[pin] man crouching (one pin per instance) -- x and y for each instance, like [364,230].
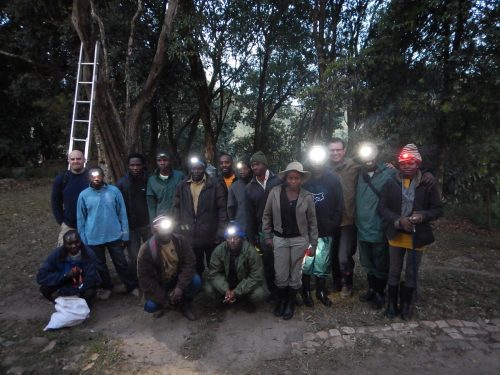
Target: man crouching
[236,271]
[166,268]
[70,270]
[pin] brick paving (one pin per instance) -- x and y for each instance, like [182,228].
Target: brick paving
[452,334]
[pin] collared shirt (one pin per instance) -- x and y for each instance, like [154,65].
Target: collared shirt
[196,188]
[102,216]
[264,183]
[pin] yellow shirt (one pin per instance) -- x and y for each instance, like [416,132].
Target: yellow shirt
[403,240]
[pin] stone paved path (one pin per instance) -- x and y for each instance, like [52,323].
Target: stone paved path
[436,335]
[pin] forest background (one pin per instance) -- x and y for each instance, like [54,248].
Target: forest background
[273,75]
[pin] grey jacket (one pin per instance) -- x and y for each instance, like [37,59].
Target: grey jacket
[305,213]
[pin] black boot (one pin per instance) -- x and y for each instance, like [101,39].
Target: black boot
[406,298]
[306,291]
[290,304]
[282,294]
[370,293]
[392,305]
[321,293]
[378,300]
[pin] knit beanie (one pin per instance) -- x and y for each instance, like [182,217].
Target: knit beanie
[410,151]
[259,157]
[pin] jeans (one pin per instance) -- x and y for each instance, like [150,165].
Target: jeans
[117,253]
[343,250]
[137,237]
[397,256]
[190,292]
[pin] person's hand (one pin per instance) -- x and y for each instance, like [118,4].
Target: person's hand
[428,179]
[175,296]
[269,242]
[311,251]
[406,224]
[73,273]
[416,218]
[124,244]
[229,297]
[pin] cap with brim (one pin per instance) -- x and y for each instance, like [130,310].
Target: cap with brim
[296,167]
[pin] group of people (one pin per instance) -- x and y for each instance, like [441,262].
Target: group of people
[259,234]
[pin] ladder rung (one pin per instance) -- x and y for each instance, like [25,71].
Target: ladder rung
[91,63]
[85,82]
[82,120]
[79,140]
[83,101]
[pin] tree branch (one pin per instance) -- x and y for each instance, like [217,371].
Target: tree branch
[129,53]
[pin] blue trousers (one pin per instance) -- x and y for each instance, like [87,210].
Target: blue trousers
[190,292]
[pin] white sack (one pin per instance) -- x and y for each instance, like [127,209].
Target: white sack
[70,311]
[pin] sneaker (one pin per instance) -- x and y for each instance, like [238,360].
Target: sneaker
[346,291]
[104,294]
[136,292]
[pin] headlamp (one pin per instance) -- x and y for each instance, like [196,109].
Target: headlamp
[239,165]
[367,151]
[317,155]
[231,231]
[95,173]
[163,224]
[405,156]
[194,160]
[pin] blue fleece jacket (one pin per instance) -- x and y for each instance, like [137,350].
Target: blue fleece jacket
[102,216]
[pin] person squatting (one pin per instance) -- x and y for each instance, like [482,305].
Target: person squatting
[245,236]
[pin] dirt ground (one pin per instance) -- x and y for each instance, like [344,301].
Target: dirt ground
[459,286]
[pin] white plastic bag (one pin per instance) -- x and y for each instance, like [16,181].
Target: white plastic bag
[70,311]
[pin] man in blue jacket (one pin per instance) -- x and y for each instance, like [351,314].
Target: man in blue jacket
[70,270]
[103,224]
[66,188]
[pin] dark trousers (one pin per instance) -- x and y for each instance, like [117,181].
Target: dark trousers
[267,262]
[137,237]
[203,253]
[190,292]
[117,254]
[397,259]
[52,292]
[374,258]
[343,250]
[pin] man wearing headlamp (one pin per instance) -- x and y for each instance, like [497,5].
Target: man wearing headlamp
[166,268]
[236,271]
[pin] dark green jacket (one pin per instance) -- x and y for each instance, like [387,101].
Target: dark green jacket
[249,268]
[370,225]
[160,193]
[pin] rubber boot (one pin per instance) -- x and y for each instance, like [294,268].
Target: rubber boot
[406,298]
[370,293]
[392,305]
[378,300]
[282,294]
[346,291]
[321,293]
[306,291]
[290,304]
[187,309]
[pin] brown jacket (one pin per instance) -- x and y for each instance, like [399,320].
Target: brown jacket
[348,171]
[150,269]
[305,213]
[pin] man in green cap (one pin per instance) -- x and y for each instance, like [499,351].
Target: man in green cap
[257,191]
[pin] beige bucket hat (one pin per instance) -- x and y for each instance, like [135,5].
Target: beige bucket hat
[297,167]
